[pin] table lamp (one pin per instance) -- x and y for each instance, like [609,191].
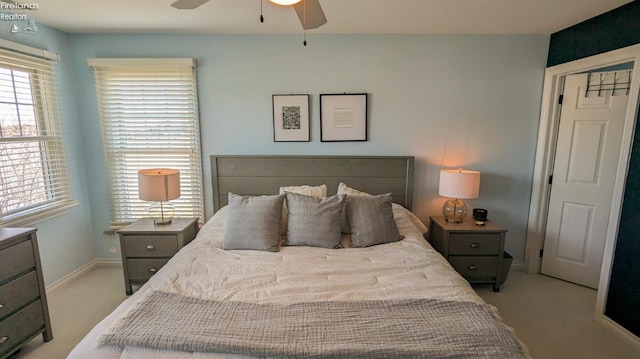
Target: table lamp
[457,185]
[159,185]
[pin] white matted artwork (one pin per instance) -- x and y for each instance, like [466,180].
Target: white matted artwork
[343,117]
[291,118]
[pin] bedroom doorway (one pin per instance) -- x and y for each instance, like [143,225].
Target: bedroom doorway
[589,136]
[544,161]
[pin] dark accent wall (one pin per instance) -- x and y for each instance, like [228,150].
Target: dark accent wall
[623,299]
[615,29]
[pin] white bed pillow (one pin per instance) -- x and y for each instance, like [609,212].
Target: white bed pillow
[344,189]
[371,220]
[253,222]
[313,221]
[315,191]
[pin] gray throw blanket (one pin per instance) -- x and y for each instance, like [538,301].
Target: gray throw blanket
[413,328]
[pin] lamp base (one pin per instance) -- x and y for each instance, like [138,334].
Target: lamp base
[162,213]
[454,210]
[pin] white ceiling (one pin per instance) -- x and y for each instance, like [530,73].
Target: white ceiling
[344,16]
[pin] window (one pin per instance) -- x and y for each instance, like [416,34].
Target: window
[149,116]
[33,174]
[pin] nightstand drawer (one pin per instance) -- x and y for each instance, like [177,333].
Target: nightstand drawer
[150,246]
[16,259]
[474,243]
[18,292]
[143,269]
[20,326]
[475,267]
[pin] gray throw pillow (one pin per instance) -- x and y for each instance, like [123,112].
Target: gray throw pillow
[371,220]
[344,189]
[253,222]
[313,221]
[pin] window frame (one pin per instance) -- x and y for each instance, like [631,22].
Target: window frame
[43,84]
[125,206]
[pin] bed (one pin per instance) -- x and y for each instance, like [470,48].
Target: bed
[315,294]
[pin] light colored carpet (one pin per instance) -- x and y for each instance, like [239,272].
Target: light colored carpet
[554,318]
[75,310]
[551,316]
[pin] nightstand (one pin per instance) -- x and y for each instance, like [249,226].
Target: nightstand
[476,252]
[146,247]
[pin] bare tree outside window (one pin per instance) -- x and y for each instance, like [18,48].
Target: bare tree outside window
[22,178]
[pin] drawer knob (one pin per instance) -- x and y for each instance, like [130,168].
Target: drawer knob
[152,270]
[4,339]
[151,248]
[473,267]
[475,245]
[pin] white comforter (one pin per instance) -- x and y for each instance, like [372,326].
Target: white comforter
[410,268]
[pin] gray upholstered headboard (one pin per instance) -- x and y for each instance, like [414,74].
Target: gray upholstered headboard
[260,175]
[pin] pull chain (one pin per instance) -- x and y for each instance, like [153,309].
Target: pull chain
[261,17]
[304,22]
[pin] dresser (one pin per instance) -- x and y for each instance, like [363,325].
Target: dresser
[476,252]
[146,247]
[24,313]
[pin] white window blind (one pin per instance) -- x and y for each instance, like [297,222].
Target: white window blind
[149,116]
[34,184]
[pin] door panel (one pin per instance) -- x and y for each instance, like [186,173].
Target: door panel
[575,224]
[584,170]
[586,151]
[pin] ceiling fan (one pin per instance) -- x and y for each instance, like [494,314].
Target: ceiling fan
[309,11]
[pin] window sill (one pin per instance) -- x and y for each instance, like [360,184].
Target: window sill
[30,219]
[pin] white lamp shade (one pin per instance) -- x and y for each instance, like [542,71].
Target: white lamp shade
[459,184]
[158,184]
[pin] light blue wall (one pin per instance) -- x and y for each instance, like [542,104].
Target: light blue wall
[66,242]
[451,101]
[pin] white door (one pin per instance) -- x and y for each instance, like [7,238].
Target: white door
[584,172]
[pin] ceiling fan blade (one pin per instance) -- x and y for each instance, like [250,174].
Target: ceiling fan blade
[188,4]
[314,17]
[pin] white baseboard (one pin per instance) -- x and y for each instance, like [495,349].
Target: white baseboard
[517,266]
[65,281]
[621,333]
[108,262]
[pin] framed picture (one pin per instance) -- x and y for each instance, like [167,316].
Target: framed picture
[291,118]
[343,117]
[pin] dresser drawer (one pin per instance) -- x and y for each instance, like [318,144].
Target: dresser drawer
[143,269]
[474,244]
[16,259]
[18,292]
[21,326]
[150,246]
[475,267]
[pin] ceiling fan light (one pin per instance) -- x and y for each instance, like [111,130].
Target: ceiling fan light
[285,2]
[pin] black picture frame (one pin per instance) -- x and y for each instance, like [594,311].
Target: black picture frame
[291,120]
[344,117]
